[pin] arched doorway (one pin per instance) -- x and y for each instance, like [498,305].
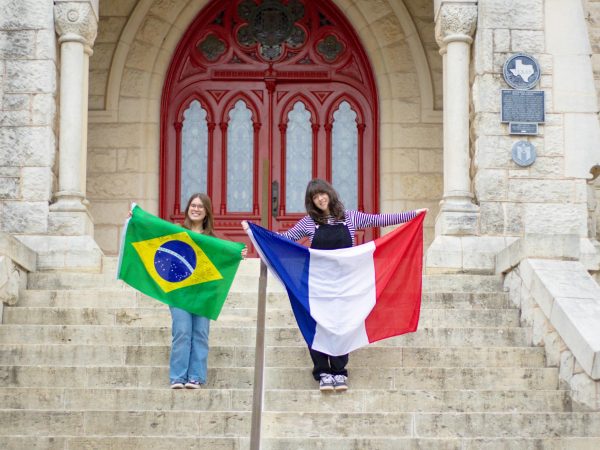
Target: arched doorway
[260,97]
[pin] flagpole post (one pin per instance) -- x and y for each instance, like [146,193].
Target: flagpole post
[259,360]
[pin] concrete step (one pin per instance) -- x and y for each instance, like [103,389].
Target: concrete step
[431,425]
[198,424]
[279,336]
[442,401]
[423,378]
[243,356]
[292,400]
[154,317]
[115,377]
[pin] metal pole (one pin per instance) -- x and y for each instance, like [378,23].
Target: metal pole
[259,360]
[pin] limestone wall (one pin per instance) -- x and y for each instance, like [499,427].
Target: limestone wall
[551,195]
[135,43]
[28,89]
[592,9]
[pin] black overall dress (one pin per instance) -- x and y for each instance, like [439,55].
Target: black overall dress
[330,237]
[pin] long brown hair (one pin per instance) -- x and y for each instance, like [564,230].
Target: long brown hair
[208,224]
[336,207]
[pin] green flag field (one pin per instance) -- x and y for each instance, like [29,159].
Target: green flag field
[181,268]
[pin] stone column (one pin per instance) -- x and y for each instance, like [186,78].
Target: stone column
[76,23]
[69,243]
[455,23]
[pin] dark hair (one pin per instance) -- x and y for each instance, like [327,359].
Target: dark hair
[208,222]
[336,207]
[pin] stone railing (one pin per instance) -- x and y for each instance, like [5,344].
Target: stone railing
[560,300]
[16,260]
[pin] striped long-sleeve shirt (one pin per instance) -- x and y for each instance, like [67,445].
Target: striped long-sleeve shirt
[354,220]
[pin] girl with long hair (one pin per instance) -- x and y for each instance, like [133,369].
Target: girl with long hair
[328,225]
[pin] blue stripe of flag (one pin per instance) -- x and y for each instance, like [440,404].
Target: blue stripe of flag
[290,261]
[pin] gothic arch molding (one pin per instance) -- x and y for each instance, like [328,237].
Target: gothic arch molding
[188,12]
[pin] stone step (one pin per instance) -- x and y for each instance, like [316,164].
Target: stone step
[423,378]
[440,283]
[111,377]
[373,356]
[134,317]
[243,356]
[429,318]
[123,443]
[129,298]
[280,336]
[199,424]
[160,317]
[406,378]
[114,355]
[74,280]
[302,443]
[441,401]
[430,425]
[115,298]
[248,266]
[77,399]
[249,281]
[395,443]
[292,400]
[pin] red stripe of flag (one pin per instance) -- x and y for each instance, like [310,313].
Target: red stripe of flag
[398,260]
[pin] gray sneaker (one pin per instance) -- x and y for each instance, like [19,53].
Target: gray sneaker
[339,382]
[326,383]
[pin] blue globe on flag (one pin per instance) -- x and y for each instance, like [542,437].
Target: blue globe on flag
[175,261]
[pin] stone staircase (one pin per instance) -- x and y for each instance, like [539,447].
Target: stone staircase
[83,365]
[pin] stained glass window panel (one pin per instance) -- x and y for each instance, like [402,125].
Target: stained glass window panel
[240,157]
[298,158]
[345,155]
[194,152]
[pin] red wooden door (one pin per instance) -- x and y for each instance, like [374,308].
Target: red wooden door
[259,98]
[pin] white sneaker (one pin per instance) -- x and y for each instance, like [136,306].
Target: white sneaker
[339,382]
[192,385]
[176,385]
[326,383]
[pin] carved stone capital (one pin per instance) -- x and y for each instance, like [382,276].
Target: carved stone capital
[76,21]
[455,22]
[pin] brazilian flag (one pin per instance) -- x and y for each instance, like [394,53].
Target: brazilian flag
[177,266]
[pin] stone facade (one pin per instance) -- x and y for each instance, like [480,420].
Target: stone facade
[28,95]
[533,231]
[135,42]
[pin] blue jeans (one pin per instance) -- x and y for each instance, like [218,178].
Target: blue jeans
[189,349]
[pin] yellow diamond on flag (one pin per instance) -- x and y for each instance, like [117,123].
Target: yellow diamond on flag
[175,261]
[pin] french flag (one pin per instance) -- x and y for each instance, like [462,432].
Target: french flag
[347,298]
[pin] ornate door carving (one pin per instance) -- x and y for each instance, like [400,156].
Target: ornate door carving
[260,97]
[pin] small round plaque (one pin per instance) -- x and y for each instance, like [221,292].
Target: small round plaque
[523,153]
[521,71]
